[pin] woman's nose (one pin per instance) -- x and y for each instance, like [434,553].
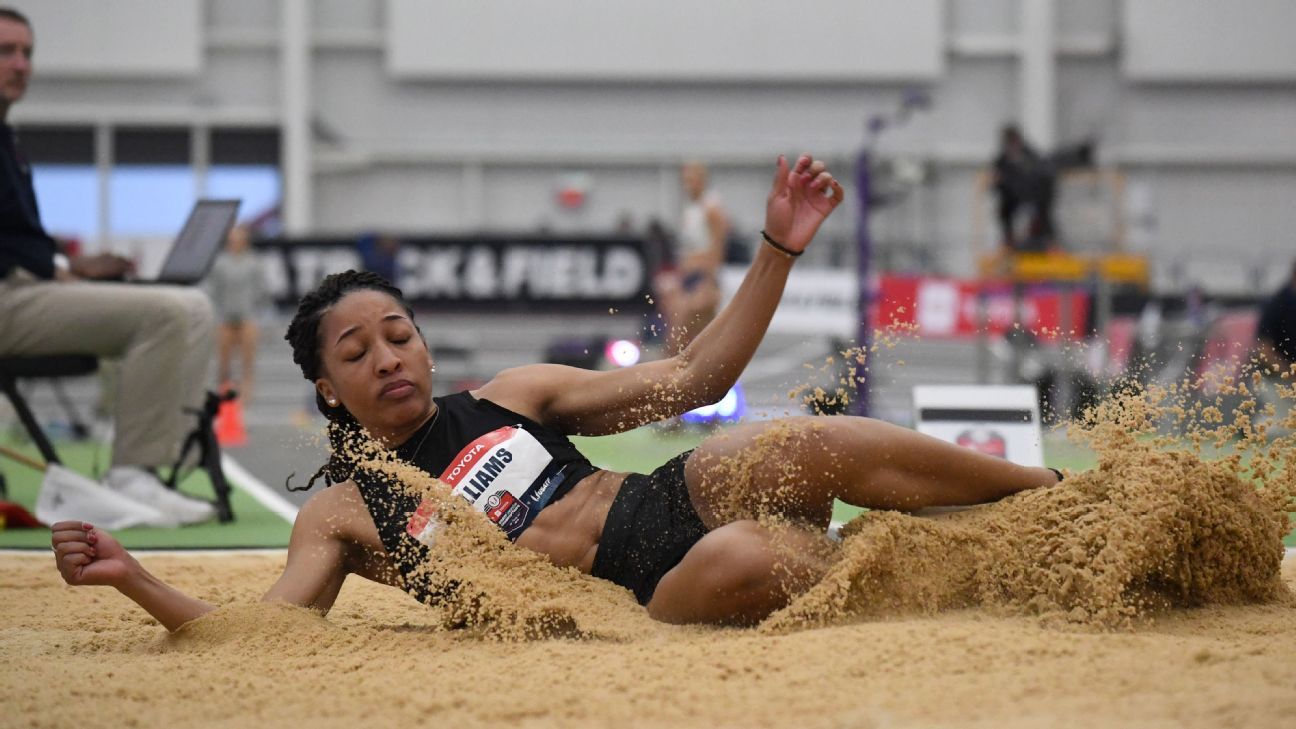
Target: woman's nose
[387,361]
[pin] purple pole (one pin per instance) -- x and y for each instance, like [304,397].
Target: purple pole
[864,252]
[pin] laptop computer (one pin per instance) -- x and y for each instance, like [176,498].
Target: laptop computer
[201,238]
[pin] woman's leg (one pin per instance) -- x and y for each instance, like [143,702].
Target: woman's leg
[794,468]
[791,470]
[740,573]
[247,357]
[226,338]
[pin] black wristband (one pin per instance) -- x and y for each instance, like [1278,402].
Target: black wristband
[780,247]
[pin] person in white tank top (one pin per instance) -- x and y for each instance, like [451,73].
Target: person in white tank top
[690,295]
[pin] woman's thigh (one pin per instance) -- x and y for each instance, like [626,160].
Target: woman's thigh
[248,340]
[789,468]
[227,336]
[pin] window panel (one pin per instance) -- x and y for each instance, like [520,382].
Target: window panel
[68,198]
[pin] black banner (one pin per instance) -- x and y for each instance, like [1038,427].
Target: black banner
[481,273]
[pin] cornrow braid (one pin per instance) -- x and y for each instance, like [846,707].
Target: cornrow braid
[344,431]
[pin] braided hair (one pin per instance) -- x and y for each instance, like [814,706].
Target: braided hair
[344,430]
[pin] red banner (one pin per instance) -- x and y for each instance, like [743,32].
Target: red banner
[947,307]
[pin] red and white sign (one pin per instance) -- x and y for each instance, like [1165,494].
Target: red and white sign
[947,307]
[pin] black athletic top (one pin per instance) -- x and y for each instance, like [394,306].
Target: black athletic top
[504,464]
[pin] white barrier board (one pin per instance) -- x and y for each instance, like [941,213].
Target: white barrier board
[816,301]
[1002,420]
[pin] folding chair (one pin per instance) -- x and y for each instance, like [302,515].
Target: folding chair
[13,369]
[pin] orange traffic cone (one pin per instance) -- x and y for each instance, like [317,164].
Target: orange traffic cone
[230,432]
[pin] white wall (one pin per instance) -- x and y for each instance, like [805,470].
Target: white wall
[1211,160]
[119,37]
[682,40]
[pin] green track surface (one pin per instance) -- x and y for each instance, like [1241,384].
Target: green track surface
[253,525]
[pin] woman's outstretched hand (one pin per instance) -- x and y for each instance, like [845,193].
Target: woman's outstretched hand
[800,199]
[88,556]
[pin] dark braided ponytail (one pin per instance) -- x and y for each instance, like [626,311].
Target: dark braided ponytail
[344,430]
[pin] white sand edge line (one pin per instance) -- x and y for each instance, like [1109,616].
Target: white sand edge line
[257,489]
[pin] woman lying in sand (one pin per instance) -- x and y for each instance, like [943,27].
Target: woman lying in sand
[684,539]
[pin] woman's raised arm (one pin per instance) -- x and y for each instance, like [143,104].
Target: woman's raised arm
[598,403]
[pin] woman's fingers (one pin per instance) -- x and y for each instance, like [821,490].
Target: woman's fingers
[70,526]
[71,556]
[74,548]
[74,561]
[780,176]
[67,535]
[837,194]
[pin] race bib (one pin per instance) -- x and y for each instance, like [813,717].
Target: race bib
[504,474]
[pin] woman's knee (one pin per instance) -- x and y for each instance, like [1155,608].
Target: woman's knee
[731,576]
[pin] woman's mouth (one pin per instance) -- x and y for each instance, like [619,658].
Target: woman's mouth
[396,389]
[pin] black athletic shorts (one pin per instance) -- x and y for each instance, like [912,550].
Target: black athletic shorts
[650,527]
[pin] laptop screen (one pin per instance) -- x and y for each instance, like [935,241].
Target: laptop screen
[201,238]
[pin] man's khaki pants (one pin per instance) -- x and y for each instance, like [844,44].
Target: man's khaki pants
[164,336]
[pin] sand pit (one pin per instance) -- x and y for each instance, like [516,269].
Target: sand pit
[381,659]
[1151,590]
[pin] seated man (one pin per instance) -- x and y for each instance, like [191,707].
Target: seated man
[163,335]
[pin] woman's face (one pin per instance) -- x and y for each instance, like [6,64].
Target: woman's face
[375,364]
[239,239]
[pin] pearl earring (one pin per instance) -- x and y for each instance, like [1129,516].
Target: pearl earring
[432,368]
[332,403]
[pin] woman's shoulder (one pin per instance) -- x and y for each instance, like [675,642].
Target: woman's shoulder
[339,510]
[338,514]
[522,390]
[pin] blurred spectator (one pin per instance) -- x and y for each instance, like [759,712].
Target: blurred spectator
[659,254]
[1024,179]
[237,289]
[163,334]
[378,254]
[690,295]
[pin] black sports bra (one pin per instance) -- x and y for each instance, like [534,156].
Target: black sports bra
[506,465]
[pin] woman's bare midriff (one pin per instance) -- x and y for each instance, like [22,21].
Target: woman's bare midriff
[568,531]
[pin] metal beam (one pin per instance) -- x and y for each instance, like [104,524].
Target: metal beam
[294,123]
[1038,72]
